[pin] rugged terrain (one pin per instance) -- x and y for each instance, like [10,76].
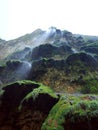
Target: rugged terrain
[56,58]
[67,63]
[27,105]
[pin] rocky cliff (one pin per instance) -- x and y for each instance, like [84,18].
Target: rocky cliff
[57,58]
[67,63]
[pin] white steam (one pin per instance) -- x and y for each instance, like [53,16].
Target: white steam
[43,38]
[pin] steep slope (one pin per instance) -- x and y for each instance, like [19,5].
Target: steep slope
[73,113]
[20,43]
[67,75]
[38,37]
[67,63]
[60,59]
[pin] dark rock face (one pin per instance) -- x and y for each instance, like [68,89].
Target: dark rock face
[82,125]
[42,103]
[48,51]
[15,92]
[41,67]
[84,58]
[33,112]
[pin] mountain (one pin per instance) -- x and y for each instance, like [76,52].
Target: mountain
[49,81]
[57,58]
[36,38]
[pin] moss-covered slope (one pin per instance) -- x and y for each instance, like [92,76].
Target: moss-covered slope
[73,113]
[27,105]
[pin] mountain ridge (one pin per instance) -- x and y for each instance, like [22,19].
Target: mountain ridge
[31,40]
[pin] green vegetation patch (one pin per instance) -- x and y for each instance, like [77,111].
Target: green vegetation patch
[90,86]
[40,90]
[21,82]
[71,108]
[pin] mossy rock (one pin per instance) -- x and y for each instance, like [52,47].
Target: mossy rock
[35,101]
[13,93]
[71,112]
[90,86]
[27,93]
[82,59]
[42,98]
[41,90]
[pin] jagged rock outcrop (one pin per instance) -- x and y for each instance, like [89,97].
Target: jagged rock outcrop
[51,51]
[82,59]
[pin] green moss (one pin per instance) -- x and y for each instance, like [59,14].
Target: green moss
[21,82]
[90,86]
[56,116]
[35,93]
[70,108]
[24,82]
[40,90]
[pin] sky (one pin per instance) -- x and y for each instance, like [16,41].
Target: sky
[19,17]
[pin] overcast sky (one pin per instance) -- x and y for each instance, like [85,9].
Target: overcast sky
[18,17]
